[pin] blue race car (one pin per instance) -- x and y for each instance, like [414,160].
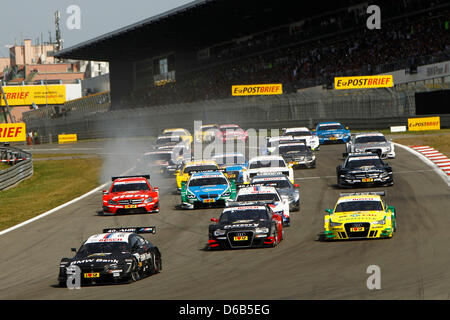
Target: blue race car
[207,189]
[332,132]
[233,164]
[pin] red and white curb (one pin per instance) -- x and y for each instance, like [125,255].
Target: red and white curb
[439,159]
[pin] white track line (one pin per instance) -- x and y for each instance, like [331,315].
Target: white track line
[59,207]
[430,163]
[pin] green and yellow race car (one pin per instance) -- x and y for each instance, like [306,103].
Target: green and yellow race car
[360,216]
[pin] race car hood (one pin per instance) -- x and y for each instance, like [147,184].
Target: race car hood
[262,171]
[233,167]
[295,154]
[245,225]
[365,170]
[129,195]
[218,190]
[331,132]
[100,260]
[357,216]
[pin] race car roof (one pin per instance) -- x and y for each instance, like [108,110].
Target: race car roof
[368,157]
[298,129]
[194,163]
[371,134]
[266,158]
[109,237]
[268,177]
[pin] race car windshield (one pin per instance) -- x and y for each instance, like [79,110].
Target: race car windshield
[213,181]
[130,187]
[267,164]
[331,127]
[103,247]
[203,129]
[167,140]
[229,160]
[370,139]
[200,168]
[349,206]
[242,216]
[299,133]
[364,163]
[258,197]
[297,148]
[278,184]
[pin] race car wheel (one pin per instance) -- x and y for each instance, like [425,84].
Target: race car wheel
[156,264]
[134,273]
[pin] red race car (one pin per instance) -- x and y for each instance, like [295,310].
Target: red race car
[131,194]
[231,132]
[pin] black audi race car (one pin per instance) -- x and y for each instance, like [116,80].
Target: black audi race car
[244,226]
[116,255]
[297,154]
[364,169]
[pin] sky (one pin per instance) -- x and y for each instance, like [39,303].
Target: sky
[30,19]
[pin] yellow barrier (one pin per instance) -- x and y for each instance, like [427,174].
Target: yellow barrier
[10,132]
[422,124]
[67,138]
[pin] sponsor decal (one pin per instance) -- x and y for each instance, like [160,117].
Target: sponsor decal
[421,124]
[67,138]
[12,132]
[383,81]
[257,89]
[40,95]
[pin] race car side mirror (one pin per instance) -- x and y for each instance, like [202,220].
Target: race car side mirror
[73,249]
[296,185]
[214,220]
[329,211]
[156,188]
[105,191]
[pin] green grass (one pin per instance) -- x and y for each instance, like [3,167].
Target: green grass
[438,142]
[52,184]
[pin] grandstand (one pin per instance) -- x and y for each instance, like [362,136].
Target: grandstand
[196,52]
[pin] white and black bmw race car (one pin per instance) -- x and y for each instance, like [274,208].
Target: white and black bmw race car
[265,194]
[374,142]
[116,255]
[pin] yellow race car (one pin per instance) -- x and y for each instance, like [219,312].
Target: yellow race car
[183,133]
[183,174]
[206,133]
[360,216]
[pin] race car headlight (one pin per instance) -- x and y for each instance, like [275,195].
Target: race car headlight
[218,233]
[379,222]
[191,196]
[262,230]
[359,150]
[149,199]
[335,224]
[226,193]
[384,175]
[112,202]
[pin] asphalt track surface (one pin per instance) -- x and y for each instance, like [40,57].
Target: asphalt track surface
[413,264]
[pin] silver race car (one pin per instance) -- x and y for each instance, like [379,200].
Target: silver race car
[374,142]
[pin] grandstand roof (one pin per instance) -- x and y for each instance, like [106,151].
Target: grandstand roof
[196,25]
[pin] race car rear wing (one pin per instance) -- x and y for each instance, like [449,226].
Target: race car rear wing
[138,230]
[146,176]
[372,193]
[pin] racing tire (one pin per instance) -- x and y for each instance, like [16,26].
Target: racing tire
[134,274]
[156,265]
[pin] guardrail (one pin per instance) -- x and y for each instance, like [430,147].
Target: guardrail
[21,166]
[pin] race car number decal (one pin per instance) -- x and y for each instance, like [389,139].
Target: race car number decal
[130,206]
[92,275]
[367,180]
[357,229]
[240,238]
[208,200]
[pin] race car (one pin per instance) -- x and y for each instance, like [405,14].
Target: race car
[370,142]
[332,132]
[274,142]
[364,169]
[297,154]
[206,133]
[207,189]
[360,216]
[131,194]
[164,162]
[183,174]
[183,133]
[283,186]
[169,142]
[252,225]
[234,165]
[303,133]
[231,132]
[269,165]
[268,195]
[116,255]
